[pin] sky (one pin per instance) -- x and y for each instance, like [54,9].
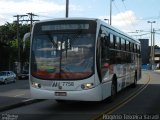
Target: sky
[130,16]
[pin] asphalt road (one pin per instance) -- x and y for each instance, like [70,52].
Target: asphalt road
[146,102]
[14,92]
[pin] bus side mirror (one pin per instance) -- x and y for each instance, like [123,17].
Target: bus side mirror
[25,37]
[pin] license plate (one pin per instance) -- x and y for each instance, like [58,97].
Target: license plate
[60,94]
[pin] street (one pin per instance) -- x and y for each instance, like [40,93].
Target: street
[14,92]
[142,100]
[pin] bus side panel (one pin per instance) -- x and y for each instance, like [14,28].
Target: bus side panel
[106,89]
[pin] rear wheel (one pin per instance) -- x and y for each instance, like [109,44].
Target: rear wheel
[14,80]
[135,81]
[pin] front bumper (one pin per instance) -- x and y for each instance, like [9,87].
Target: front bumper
[94,94]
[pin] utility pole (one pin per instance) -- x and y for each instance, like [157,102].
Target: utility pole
[67,8]
[31,15]
[151,54]
[153,47]
[110,12]
[19,60]
[19,42]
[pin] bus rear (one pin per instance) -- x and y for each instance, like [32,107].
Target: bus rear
[62,64]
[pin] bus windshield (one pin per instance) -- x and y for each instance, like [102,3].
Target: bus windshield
[62,54]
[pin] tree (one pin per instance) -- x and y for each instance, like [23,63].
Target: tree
[156,47]
[9,44]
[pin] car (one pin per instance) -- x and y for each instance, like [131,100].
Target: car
[7,76]
[23,75]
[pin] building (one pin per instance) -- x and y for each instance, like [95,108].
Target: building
[145,51]
[157,55]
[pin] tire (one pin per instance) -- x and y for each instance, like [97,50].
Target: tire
[5,82]
[113,91]
[14,80]
[135,81]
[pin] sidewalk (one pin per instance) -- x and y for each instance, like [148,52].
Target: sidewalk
[17,102]
[157,71]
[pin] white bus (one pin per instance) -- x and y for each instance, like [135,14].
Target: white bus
[81,59]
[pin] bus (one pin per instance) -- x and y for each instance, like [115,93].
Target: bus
[81,59]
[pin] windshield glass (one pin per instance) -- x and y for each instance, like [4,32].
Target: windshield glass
[62,55]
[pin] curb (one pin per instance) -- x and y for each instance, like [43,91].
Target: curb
[20,104]
[157,71]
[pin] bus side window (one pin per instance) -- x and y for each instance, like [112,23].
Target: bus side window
[127,45]
[118,43]
[132,47]
[111,41]
[135,48]
[114,42]
[123,44]
[104,44]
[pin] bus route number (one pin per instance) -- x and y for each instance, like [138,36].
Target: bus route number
[68,83]
[56,84]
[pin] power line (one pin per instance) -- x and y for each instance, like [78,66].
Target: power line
[31,15]
[129,16]
[123,19]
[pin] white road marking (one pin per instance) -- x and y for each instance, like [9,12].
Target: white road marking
[19,95]
[27,100]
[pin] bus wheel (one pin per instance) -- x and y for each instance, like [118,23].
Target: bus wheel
[113,91]
[135,81]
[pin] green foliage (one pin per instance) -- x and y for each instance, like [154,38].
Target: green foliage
[13,43]
[9,44]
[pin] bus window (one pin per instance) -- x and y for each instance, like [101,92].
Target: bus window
[123,44]
[111,41]
[132,47]
[118,43]
[114,42]
[128,58]
[139,49]
[127,45]
[118,58]
[135,48]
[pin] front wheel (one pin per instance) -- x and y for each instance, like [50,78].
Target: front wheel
[5,82]
[113,91]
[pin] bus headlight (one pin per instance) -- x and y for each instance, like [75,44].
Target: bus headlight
[36,85]
[86,86]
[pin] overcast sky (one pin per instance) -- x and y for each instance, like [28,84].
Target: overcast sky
[127,15]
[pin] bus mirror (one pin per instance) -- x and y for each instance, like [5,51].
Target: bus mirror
[25,37]
[106,65]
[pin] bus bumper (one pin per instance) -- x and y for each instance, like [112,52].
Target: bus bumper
[94,94]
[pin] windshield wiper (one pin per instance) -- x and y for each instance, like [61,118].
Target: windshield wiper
[53,43]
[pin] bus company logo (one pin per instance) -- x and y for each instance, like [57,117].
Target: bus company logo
[57,84]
